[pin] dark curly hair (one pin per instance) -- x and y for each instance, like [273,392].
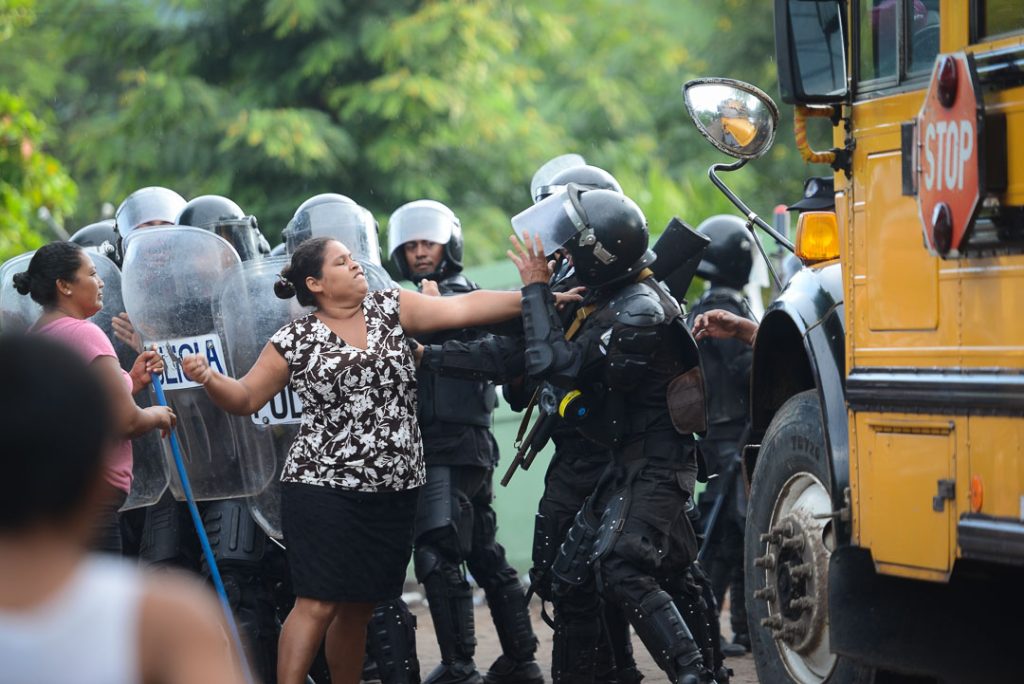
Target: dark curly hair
[52,262]
[307,261]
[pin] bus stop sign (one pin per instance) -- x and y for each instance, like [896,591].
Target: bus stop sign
[950,174]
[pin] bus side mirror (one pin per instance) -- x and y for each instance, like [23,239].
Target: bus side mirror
[734,116]
[810,49]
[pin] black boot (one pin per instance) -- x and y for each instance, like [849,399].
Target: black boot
[511,616]
[450,599]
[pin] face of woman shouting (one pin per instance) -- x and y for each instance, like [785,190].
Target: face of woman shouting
[341,280]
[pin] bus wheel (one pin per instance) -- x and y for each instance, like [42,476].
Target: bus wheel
[788,540]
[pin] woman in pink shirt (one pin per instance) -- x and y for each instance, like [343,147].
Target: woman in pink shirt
[63,280]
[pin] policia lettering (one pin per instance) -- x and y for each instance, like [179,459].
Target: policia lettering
[455,523]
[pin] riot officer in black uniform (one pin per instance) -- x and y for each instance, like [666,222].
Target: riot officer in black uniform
[628,360]
[591,642]
[726,268]
[456,523]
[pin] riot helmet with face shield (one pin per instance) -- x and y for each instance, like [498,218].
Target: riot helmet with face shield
[729,257]
[338,217]
[425,220]
[154,205]
[223,217]
[604,232]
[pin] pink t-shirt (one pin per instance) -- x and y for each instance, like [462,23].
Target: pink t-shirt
[86,338]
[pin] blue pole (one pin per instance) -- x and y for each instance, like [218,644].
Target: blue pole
[204,541]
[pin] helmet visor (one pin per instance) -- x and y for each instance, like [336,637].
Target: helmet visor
[412,223]
[148,205]
[351,225]
[539,185]
[554,219]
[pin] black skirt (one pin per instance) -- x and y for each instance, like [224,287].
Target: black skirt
[347,546]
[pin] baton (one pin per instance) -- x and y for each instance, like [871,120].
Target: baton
[728,484]
[204,541]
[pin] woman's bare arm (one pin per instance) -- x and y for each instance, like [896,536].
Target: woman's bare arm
[132,421]
[423,314]
[267,377]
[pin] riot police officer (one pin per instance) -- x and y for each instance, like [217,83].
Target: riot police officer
[726,268]
[455,522]
[630,373]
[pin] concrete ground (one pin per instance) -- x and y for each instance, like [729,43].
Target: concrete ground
[488,648]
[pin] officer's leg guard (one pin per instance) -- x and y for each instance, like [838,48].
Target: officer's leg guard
[577,640]
[443,537]
[168,537]
[239,547]
[511,616]
[693,597]
[391,643]
[450,599]
[506,597]
[663,631]
[615,662]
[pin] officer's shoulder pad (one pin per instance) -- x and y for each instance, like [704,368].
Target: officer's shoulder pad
[639,306]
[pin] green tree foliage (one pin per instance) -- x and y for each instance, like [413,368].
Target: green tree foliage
[30,179]
[272,101]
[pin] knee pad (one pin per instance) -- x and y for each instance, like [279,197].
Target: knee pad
[572,563]
[234,536]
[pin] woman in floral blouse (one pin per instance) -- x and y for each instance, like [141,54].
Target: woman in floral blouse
[351,478]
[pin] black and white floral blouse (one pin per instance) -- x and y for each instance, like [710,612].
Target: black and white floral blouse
[359,428]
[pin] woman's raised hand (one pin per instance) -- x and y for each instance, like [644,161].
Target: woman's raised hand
[147,363]
[197,368]
[528,256]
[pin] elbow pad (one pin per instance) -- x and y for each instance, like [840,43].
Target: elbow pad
[546,347]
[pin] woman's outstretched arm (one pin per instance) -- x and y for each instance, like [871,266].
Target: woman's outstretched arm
[267,377]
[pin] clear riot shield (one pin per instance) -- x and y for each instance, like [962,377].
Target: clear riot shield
[18,312]
[251,314]
[170,279]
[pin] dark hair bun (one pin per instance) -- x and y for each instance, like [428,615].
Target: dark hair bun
[22,282]
[283,287]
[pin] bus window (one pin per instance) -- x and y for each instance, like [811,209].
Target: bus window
[877,36]
[996,17]
[923,38]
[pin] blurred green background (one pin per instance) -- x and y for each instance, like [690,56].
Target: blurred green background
[272,101]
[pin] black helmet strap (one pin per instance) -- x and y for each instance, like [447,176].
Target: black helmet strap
[578,215]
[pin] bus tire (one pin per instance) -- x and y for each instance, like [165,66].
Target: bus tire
[787,543]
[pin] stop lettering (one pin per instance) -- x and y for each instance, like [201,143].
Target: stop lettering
[947,151]
[949,175]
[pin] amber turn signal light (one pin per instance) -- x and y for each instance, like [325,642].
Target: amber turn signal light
[977,494]
[817,236]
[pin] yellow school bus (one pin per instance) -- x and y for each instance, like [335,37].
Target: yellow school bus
[885,529]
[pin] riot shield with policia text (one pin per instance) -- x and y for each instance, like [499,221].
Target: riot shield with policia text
[170,279]
[251,313]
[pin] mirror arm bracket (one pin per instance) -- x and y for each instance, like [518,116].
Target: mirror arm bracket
[752,218]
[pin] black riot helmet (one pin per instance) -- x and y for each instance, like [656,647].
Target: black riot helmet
[425,220]
[337,217]
[729,257]
[222,217]
[603,231]
[99,237]
[584,175]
